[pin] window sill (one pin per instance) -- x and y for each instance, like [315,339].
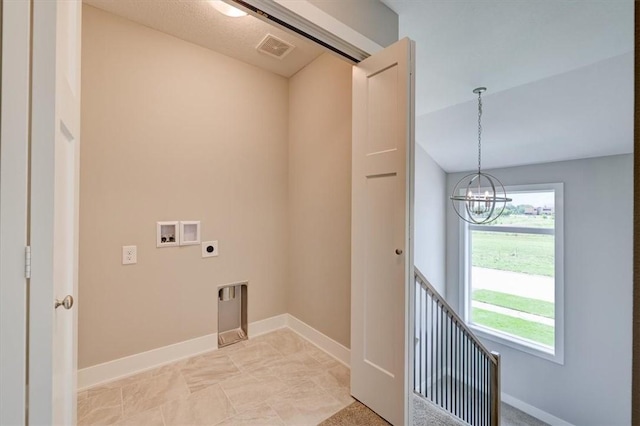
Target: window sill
[521,345]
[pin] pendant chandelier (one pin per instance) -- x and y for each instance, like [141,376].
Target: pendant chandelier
[484,198]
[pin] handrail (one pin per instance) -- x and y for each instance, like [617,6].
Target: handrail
[453,367]
[449,311]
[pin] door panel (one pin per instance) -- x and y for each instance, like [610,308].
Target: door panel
[382,125]
[54,211]
[381,227]
[382,269]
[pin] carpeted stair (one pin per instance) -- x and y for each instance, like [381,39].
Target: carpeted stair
[425,413]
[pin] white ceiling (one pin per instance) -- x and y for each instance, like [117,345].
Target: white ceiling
[559,74]
[199,23]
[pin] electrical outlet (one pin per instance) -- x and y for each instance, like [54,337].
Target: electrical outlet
[210,249]
[129,255]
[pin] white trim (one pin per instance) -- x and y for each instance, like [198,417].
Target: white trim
[410,295]
[324,342]
[13,209]
[323,20]
[133,364]
[533,411]
[267,325]
[556,354]
[515,342]
[137,363]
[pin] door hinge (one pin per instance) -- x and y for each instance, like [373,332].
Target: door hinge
[27,262]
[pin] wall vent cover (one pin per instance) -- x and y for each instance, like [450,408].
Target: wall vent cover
[275,47]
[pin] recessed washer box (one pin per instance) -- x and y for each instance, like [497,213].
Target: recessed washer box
[189,232]
[167,234]
[210,248]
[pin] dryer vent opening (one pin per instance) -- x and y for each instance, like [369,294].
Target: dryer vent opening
[232,314]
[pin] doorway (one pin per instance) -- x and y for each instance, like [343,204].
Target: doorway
[168,126]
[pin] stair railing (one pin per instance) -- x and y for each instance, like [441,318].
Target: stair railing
[453,368]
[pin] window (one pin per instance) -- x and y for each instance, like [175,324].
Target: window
[513,273]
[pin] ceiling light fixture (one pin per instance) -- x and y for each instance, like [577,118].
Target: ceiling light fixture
[227,9]
[484,196]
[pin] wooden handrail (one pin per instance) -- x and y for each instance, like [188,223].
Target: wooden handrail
[453,315]
[496,392]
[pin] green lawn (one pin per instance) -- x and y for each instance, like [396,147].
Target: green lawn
[536,332]
[518,303]
[526,253]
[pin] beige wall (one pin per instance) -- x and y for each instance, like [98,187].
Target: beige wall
[320,197]
[173,131]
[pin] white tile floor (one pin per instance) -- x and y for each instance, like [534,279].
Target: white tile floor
[275,379]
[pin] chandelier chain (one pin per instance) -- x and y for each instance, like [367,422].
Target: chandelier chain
[478,197]
[479,130]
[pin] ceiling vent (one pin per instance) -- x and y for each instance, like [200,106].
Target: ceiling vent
[275,47]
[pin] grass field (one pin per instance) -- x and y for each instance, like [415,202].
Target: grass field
[522,304]
[526,253]
[540,333]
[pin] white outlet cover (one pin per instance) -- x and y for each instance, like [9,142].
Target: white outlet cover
[210,249]
[129,255]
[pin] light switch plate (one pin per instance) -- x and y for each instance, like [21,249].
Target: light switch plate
[129,255]
[210,248]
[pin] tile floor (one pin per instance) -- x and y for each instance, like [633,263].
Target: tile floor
[274,379]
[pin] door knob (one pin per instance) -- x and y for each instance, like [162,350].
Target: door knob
[398,252]
[66,303]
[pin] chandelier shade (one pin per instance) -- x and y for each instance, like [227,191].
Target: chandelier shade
[479,197]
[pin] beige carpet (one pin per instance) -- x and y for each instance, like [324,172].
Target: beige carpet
[356,414]
[424,414]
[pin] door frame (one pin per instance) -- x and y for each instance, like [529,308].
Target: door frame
[410,294]
[14,148]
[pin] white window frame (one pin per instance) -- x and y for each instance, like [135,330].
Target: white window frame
[557,354]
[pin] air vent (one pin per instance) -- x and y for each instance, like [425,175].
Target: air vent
[275,47]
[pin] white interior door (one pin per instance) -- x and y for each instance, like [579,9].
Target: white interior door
[381,229]
[54,211]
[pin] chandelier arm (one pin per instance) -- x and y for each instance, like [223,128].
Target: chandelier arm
[493,202]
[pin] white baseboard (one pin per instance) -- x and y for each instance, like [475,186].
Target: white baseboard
[122,367]
[127,366]
[533,411]
[327,344]
[267,325]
